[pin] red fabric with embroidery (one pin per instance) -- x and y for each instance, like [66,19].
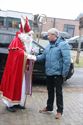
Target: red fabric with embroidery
[11,83]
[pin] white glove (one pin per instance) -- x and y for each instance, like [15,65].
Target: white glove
[32,57]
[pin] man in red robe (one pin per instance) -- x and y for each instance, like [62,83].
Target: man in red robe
[13,88]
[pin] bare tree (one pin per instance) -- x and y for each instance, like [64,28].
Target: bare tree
[79,43]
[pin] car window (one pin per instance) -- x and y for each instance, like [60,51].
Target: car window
[43,43]
[38,49]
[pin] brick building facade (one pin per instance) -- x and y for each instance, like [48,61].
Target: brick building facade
[11,20]
[64,25]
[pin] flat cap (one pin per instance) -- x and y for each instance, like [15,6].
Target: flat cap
[53,31]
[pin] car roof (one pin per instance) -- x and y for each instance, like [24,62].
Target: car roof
[65,35]
[75,37]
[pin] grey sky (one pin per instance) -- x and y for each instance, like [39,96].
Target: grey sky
[68,9]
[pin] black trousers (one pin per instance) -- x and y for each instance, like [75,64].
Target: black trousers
[54,84]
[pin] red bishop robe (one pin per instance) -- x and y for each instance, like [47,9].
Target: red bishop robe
[11,83]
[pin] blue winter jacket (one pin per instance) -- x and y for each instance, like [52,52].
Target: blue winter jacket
[57,58]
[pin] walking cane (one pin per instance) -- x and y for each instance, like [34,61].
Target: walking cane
[30,81]
[25,100]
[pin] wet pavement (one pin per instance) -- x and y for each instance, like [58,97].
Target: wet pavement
[73,106]
[77,79]
[73,109]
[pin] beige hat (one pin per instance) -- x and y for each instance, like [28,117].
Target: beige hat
[54,31]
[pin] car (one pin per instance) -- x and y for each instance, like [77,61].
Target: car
[44,35]
[65,35]
[74,41]
[5,38]
[39,67]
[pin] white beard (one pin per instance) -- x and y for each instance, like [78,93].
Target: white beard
[27,41]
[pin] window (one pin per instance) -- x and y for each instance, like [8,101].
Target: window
[13,22]
[69,28]
[5,38]
[1,22]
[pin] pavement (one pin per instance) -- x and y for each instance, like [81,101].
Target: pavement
[77,79]
[73,109]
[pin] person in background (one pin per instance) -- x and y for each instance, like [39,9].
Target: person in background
[57,62]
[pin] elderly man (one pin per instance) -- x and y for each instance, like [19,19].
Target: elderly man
[57,62]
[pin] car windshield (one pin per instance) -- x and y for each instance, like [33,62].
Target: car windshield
[6,38]
[37,47]
[43,43]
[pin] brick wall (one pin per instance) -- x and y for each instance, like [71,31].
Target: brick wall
[59,24]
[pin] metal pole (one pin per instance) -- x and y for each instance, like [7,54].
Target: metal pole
[42,19]
[40,30]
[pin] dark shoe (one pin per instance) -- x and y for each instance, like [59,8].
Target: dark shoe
[45,110]
[58,115]
[11,109]
[18,107]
